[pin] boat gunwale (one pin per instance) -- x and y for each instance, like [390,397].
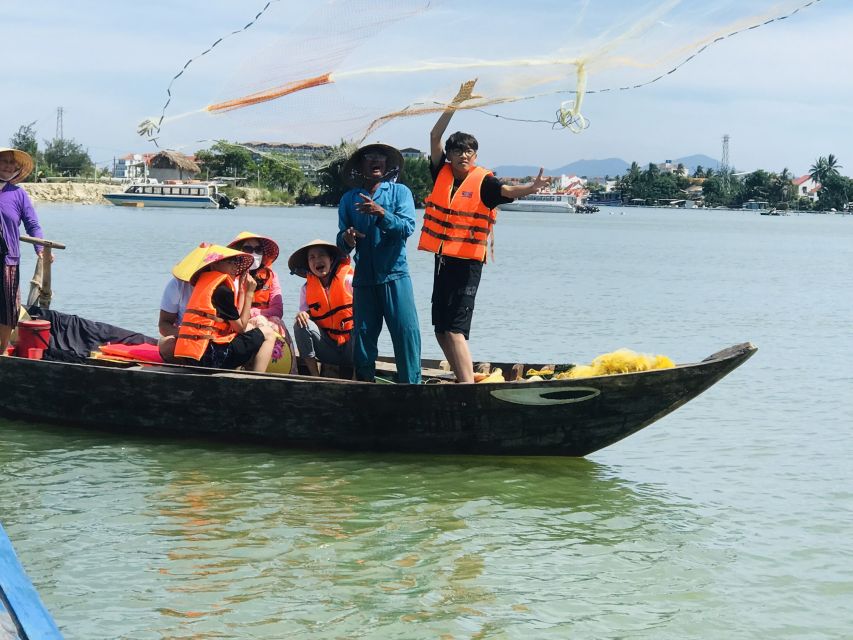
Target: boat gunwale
[742,350]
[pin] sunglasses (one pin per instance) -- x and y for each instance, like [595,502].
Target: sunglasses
[257,248]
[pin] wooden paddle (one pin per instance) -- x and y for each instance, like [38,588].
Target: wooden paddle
[40,284]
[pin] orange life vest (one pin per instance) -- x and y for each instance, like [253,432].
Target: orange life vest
[331,309]
[264,276]
[200,324]
[457,226]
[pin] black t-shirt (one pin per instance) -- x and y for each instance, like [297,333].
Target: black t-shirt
[490,190]
[223,302]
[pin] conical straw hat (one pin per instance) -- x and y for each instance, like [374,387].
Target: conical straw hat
[202,257]
[24,160]
[270,246]
[298,261]
[350,169]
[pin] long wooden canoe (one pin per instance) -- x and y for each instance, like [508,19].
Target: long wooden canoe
[548,418]
[22,614]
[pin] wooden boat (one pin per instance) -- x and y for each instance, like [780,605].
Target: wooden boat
[547,418]
[22,614]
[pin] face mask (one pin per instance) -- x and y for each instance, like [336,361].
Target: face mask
[256,262]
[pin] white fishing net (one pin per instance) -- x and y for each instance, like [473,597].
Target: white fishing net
[342,69]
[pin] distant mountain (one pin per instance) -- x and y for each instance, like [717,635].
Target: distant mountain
[589,168]
[517,171]
[599,168]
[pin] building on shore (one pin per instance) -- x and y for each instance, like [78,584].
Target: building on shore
[171,165]
[132,167]
[165,165]
[411,152]
[307,155]
[667,166]
[806,187]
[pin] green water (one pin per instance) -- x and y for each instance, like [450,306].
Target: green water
[730,518]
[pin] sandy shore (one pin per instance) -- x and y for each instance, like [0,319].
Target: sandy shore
[91,192]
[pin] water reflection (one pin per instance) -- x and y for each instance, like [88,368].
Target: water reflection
[203,540]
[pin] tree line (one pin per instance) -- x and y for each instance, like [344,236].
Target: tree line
[283,180]
[60,156]
[278,175]
[728,188]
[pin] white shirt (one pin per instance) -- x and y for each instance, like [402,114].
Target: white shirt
[175,298]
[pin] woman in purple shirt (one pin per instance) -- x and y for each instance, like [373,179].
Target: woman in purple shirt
[15,208]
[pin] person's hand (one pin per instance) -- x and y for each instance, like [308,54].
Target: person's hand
[302,319]
[539,182]
[351,236]
[52,256]
[464,92]
[249,282]
[368,205]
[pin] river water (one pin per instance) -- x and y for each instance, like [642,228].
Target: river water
[730,518]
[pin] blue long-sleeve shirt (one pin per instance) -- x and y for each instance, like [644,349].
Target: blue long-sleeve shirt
[380,256]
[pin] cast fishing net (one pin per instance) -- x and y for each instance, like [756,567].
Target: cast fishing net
[343,69]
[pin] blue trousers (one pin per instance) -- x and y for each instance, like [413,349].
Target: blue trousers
[394,302]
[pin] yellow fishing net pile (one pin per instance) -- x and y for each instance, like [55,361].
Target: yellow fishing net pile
[619,361]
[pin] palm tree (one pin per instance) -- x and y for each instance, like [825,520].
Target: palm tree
[817,171]
[824,168]
[634,172]
[832,165]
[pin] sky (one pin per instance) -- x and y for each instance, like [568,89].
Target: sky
[781,92]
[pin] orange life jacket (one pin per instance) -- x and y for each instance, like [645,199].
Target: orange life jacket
[261,300]
[200,324]
[331,309]
[457,226]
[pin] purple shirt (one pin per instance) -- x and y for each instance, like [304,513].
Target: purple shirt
[15,207]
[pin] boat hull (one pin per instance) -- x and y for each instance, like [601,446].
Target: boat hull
[22,614]
[172,202]
[538,207]
[554,418]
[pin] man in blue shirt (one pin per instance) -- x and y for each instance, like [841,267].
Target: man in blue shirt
[376,218]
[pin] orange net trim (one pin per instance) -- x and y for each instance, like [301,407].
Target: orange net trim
[271,94]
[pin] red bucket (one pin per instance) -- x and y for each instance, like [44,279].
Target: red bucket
[32,335]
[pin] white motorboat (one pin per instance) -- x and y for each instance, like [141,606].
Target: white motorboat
[195,195]
[538,202]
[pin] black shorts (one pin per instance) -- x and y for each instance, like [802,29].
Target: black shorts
[235,353]
[454,289]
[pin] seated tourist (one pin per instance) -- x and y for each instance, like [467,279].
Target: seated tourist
[267,306]
[214,332]
[175,297]
[325,299]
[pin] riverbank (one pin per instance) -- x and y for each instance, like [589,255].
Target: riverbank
[93,193]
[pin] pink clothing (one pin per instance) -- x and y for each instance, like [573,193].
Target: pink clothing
[303,303]
[276,308]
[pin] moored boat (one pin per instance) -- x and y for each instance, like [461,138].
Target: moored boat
[540,202]
[194,195]
[22,614]
[569,417]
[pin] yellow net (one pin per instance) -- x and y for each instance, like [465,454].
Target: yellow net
[619,361]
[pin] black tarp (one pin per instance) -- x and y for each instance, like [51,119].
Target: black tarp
[72,338]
